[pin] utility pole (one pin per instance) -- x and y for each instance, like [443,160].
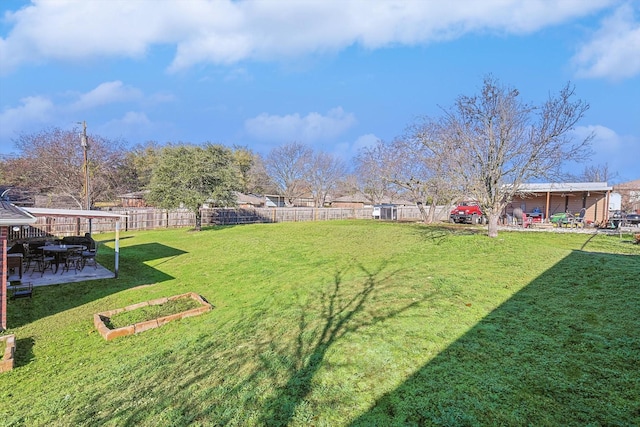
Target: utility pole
[85,147]
[84,141]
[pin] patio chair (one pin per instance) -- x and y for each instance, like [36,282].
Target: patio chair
[73,259]
[43,262]
[29,257]
[89,255]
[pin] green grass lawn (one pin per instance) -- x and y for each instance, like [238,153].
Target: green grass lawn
[340,323]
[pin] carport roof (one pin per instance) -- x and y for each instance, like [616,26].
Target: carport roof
[564,187]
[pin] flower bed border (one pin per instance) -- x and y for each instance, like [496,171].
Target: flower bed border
[7,359]
[109,334]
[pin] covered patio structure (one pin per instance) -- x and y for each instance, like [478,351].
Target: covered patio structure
[88,214]
[13,217]
[551,198]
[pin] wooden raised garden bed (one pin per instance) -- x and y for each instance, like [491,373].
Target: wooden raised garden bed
[9,345]
[102,321]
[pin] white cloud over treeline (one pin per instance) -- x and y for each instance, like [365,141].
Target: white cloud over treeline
[294,127]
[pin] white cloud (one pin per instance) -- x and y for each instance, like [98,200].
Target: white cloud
[617,151]
[227,31]
[614,50]
[32,110]
[36,112]
[134,124]
[107,93]
[348,150]
[293,127]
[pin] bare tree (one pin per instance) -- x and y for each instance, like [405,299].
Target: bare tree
[257,178]
[597,173]
[325,172]
[372,170]
[53,164]
[499,142]
[288,167]
[424,172]
[404,168]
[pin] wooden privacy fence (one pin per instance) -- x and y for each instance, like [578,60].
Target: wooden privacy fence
[151,218]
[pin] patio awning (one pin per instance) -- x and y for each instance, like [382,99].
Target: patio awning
[84,213]
[78,213]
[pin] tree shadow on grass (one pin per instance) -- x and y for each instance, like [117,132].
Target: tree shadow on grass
[562,351]
[441,232]
[322,321]
[341,312]
[24,352]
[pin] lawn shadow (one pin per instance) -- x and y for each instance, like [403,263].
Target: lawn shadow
[341,312]
[24,352]
[441,232]
[562,351]
[134,271]
[322,321]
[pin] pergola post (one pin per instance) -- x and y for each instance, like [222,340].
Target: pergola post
[117,243]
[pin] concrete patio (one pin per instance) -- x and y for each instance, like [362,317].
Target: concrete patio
[89,272]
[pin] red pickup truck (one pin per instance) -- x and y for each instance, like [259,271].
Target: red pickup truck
[468,212]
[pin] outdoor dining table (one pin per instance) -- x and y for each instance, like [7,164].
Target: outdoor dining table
[58,251]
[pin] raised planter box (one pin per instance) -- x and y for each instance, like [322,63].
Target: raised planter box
[6,364]
[109,334]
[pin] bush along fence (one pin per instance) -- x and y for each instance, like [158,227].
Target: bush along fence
[152,218]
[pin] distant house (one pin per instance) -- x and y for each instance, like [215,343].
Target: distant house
[355,201]
[55,201]
[630,195]
[550,198]
[133,200]
[250,200]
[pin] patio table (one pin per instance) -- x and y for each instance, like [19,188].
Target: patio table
[58,251]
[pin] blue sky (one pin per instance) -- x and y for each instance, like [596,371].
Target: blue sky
[334,74]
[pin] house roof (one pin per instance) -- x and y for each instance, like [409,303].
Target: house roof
[134,195]
[249,199]
[630,185]
[354,198]
[13,215]
[564,187]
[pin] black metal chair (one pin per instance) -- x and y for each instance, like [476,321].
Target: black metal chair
[43,262]
[73,259]
[89,254]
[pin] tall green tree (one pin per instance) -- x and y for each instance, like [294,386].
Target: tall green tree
[137,167]
[189,176]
